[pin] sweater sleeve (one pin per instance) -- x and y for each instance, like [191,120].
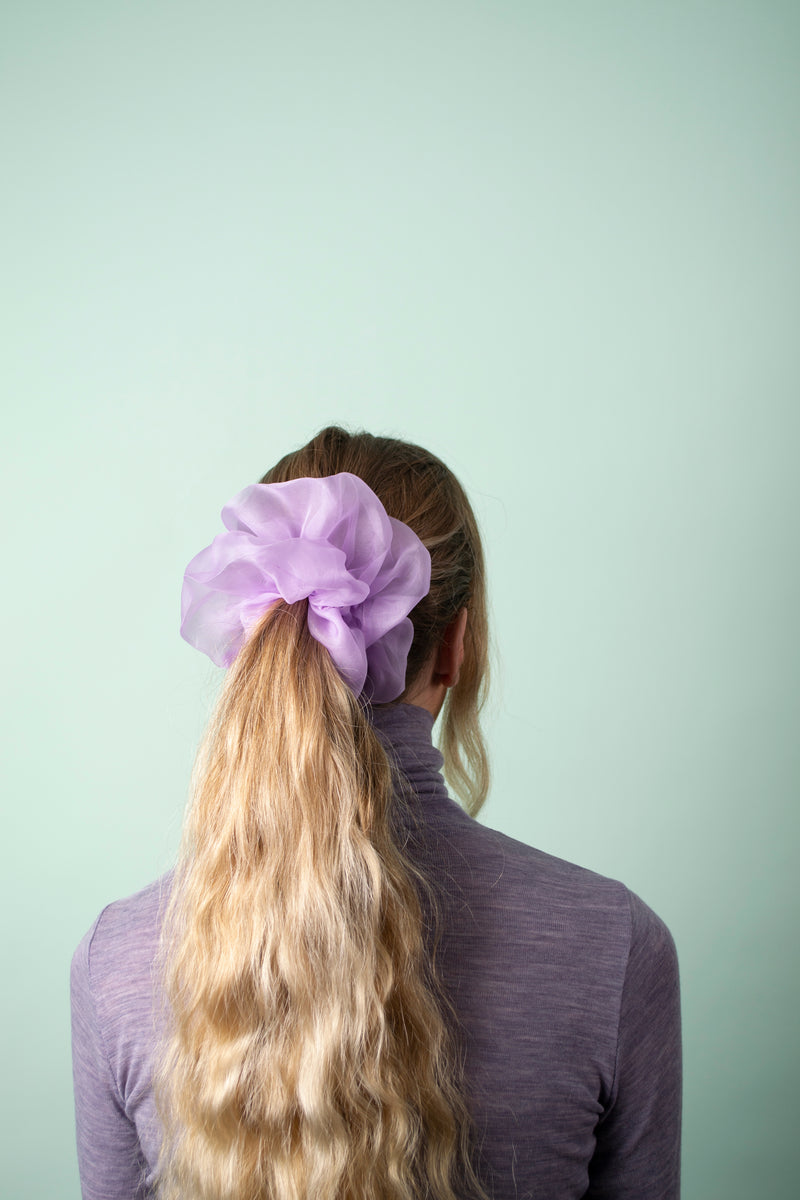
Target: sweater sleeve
[637,1156]
[109,1157]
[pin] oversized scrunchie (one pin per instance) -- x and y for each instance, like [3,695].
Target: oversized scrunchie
[329,540]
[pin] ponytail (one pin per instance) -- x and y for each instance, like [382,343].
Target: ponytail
[306,1053]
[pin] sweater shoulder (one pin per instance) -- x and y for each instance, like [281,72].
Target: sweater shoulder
[543,874]
[114,959]
[580,902]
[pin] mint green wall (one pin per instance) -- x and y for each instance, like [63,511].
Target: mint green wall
[557,243]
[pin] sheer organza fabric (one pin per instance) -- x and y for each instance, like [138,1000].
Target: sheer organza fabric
[328,540]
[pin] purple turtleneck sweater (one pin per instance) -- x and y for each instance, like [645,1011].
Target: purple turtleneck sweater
[565,984]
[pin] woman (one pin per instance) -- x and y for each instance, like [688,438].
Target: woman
[360,992]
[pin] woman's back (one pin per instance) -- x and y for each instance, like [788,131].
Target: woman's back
[564,983]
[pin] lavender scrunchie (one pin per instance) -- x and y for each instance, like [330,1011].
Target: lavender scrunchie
[328,539]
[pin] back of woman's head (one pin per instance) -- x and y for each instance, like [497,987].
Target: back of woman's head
[309,1049]
[417,488]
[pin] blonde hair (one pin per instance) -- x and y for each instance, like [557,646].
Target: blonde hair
[310,1048]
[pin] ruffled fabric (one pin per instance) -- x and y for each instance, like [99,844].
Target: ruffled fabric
[330,541]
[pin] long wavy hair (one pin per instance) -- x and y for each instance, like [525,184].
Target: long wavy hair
[310,1049]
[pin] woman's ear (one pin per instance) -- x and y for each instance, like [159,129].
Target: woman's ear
[451,651]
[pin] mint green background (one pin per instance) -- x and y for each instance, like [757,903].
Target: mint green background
[558,244]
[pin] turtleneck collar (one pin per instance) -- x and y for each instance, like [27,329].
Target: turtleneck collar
[409,731]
